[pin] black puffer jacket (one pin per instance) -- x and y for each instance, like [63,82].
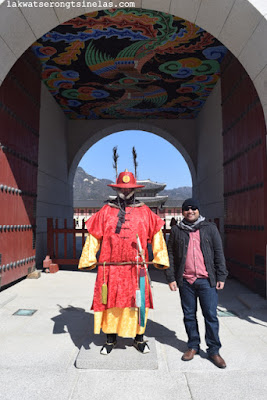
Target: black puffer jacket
[211,247]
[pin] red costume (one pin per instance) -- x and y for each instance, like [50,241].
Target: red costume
[115,229]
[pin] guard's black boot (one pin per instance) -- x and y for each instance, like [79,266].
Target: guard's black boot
[140,344]
[110,344]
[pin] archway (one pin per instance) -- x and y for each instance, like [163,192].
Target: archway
[85,147]
[221,20]
[153,157]
[158,162]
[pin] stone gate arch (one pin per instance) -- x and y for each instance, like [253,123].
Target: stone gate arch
[19,28]
[119,127]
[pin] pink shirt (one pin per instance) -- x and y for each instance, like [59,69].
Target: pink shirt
[194,263]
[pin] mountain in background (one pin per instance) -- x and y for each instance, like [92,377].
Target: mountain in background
[88,187]
[180,193]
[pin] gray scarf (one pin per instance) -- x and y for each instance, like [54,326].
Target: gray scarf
[191,226]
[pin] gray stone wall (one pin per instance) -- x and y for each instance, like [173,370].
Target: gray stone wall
[54,194]
[209,182]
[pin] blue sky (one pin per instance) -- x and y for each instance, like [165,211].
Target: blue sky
[157,159]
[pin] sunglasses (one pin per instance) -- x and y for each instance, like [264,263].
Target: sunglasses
[187,208]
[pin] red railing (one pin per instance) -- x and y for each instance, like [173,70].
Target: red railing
[55,245]
[59,251]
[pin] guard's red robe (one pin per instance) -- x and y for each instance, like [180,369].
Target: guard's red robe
[120,247]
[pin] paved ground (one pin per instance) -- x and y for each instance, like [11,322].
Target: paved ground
[54,355]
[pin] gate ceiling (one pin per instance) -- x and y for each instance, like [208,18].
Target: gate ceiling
[129,64]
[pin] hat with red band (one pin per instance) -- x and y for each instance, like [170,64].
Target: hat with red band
[126,180]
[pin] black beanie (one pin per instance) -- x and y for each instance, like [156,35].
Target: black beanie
[190,202]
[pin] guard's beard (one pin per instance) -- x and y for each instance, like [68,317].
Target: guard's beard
[123,200]
[123,197]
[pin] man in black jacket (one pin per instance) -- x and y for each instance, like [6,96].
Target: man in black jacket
[197,267]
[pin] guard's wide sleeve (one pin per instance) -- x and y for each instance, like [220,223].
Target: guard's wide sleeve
[160,253]
[88,256]
[155,224]
[95,224]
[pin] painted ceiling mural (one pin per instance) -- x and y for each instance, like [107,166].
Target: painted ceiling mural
[129,64]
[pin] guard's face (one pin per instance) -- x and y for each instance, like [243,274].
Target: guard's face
[191,214]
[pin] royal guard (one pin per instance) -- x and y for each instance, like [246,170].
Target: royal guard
[122,294]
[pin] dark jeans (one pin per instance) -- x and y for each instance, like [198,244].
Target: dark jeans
[208,299]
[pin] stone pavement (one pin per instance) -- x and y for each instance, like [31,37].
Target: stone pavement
[54,355]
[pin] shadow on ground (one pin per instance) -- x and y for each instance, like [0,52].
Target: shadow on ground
[79,324]
[236,298]
[230,299]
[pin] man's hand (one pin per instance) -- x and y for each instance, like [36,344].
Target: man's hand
[220,285]
[173,286]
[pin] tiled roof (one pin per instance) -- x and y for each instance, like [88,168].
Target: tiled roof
[150,185]
[173,203]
